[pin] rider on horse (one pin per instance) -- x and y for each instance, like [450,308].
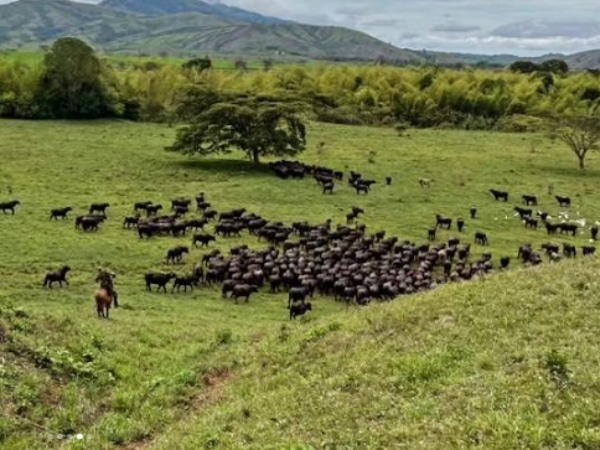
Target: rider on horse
[106,279]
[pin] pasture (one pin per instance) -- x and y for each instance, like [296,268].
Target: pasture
[162,357]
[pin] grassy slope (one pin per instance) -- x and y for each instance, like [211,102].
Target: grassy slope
[509,362]
[161,354]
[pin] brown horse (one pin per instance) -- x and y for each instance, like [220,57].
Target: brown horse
[103,301]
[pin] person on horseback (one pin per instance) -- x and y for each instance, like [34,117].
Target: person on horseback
[106,279]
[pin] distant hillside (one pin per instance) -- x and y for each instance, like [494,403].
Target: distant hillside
[184,27]
[192,27]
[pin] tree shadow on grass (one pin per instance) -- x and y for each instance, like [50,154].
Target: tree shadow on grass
[228,166]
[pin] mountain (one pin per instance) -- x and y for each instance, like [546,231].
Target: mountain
[192,27]
[184,27]
[162,7]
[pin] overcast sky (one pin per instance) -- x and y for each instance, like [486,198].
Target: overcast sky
[523,27]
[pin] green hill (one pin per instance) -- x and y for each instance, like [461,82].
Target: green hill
[469,365]
[183,27]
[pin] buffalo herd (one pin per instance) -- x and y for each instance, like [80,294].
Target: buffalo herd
[302,259]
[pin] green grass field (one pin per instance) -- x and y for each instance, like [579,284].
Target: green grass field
[456,368]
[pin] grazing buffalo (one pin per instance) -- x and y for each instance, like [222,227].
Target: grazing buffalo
[568,228]
[159,279]
[60,212]
[152,210]
[57,276]
[594,232]
[504,262]
[9,206]
[588,250]
[185,282]
[530,223]
[131,221]
[89,223]
[204,239]
[481,238]
[328,187]
[181,203]
[99,207]
[473,212]
[563,202]
[460,224]
[552,228]
[499,195]
[530,200]
[431,234]
[141,206]
[443,221]
[175,255]
[243,290]
[569,250]
[299,309]
[523,212]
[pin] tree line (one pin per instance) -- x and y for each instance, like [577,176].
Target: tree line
[347,94]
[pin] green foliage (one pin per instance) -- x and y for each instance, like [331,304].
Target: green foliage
[71,85]
[154,89]
[258,127]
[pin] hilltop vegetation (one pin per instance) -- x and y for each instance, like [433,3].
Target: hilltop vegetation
[192,370]
[378,95]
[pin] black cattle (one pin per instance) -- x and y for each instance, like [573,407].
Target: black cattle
[568,228]
[530,200]
[357,211]
[243,290]
[185,282]
[531,223]
[297,294]
[129,222]
[228,229]
[209,214]
[460,224]
[473,212]
[552,228]
[9,206]
[202,205]
[504,262]
[181,203]
[569,250]
[196,224]
[204,239]
[594,232]
[481,238]
[57,276]
[328,187]
[588,250]
[147,229]
[152,210]
[431,234]
[388,180]
[499,195]
[230,215]
[523,212]
[299,309]
[141,206]
[175,255]
[99,207]
[563,202]
[443,222]
[159,279]
[180,211]
[89,223]
[60,212]
[550,248]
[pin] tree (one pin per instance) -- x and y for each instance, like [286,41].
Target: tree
[523,67]
[257,126]
[71,85]
[555,66]
[580,133]
[241,65]
[199,64]
[267,64]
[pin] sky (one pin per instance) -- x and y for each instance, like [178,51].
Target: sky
[520,27]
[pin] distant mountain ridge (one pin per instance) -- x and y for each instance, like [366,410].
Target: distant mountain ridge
[192,27]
